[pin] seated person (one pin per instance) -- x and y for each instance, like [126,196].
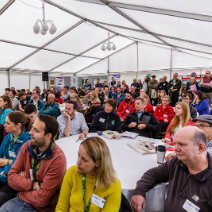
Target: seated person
[181,119]
[17,126]
[93,175]
[74,97]
[38,171]
[72,122]
[187,98]
[31,113]
[58,98]
[149,107]
[127,106]
[35,99]
[187,173]
[119,96]
[107,94]
[23,101]
[201,103]
[141,122]
[164,113]
[161,94]
[15,101]
[51,107]
[107,119]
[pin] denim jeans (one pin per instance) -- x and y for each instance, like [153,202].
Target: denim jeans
[16,204]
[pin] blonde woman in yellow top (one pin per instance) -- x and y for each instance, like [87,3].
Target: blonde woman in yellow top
[91,185]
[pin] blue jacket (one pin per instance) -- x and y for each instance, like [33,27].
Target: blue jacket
[40,103]
[51,109]
[3,115]
[120,98]
[203,107]
[15,147]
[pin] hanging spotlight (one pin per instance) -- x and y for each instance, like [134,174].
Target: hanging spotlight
[108,45]
[43,26]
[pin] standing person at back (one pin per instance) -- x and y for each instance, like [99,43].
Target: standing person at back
[153,90]
[206,86]
[38,171]
[174,88]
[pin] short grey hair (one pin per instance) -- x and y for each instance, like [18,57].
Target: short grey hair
[199,137]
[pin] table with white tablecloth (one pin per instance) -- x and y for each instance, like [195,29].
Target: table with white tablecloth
[129,164]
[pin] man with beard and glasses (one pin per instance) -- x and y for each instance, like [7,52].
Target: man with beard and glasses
[127,106]
[38,171]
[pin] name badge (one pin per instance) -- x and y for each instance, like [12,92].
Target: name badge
[12,154]
[190,206]
[127,111]
[31,174]
[98,201]
[165,116]
[102,120]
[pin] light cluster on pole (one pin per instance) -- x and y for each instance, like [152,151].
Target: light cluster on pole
[43,26]
[108,45]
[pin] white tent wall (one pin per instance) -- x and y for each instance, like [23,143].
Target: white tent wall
[4,81]
[36,80]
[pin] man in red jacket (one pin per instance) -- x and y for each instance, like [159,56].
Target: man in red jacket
[164,113]
[127,106]
[38,171]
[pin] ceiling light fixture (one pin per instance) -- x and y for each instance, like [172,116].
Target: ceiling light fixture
[108,45]
[43,26]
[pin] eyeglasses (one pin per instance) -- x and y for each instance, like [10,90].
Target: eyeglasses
[186,98]
[202,126]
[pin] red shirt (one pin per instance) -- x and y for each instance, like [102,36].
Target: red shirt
[126,107]
[59,100]
[162,113]
[149,108]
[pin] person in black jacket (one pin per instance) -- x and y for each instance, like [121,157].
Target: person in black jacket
[107,119]
[141,122]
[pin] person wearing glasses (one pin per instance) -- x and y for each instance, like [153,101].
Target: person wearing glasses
[203,122]
[187,98]
[91,185]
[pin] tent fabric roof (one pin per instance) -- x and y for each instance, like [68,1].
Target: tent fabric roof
[153,34]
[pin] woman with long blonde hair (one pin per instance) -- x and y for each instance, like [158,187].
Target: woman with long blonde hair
[181,119]
[74,97]
[92,176]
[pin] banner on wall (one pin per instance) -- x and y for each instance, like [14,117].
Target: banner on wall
[59,82]
[74,82]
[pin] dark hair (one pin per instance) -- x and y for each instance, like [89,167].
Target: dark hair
[128,92]
[51,125]
[8,100]
[200,94]
[67,87]
[141,99]
[184,94]
[37,91]
[111,102]
[19,117]
[72,102]
[13,92]
[7,89]
[57,95]
[23,90]
[21,94]
[30,108]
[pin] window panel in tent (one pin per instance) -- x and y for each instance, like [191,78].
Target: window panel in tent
[4,81]
[19,80]
[153,58]
[119,42]
[189,6]
[43,60]
[179,27]
[95,12]
[75,65]
[16,23]
[100,67]
[79,39]
[36,80]
[183,60]
[125,60]
[10,54]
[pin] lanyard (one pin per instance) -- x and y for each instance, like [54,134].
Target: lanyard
[35,169]
[11,140]
[86,209]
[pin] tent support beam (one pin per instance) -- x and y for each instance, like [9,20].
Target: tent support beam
[137,59]
[157,34]
[83,52]
[171,63]
[51,41]
[174,13]
[47,49]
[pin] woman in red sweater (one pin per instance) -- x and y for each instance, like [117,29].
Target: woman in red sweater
[149,107]
[181,119]
[164,113]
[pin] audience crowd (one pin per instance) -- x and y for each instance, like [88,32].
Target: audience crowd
[33,166]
